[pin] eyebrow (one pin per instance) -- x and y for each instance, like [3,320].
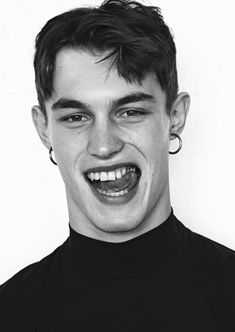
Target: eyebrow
[131,98]
[68,103]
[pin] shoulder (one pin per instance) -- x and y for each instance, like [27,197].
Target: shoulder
[212,250]
[214,258]
[216,261]
[30,279]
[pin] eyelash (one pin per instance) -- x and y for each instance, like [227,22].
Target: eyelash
[67,119]
[136,111]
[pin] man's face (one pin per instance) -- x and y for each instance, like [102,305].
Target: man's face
[91,125]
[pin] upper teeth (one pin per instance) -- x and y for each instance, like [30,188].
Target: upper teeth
[107,176]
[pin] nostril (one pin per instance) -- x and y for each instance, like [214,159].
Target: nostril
[105,148]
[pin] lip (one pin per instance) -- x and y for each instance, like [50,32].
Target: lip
[109,168]
[109,200]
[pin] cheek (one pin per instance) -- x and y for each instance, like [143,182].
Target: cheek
[68,147]
[156,154]
[154,140]
[66,140]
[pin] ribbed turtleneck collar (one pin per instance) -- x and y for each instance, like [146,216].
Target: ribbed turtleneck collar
[146,253]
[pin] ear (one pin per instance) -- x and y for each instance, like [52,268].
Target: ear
[41,125]
[179,112]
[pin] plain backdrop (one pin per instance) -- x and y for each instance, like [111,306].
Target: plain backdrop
[33,215]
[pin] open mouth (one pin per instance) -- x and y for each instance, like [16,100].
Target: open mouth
[118,182]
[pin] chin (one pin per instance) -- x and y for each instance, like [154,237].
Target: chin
[118,226]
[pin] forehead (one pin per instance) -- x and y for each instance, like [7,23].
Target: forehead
[78,74]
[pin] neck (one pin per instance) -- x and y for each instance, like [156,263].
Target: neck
[144,254]
[154,217]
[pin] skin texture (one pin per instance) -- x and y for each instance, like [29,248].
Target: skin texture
[105,134]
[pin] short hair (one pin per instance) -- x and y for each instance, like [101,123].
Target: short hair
[135,36]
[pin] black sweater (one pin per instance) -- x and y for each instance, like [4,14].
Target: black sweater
[169,279]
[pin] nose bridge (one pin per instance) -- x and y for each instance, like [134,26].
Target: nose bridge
[103,139]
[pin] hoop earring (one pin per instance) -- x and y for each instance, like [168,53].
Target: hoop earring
[180,144]
[50,156]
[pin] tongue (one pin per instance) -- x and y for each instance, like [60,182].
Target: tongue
[127,181]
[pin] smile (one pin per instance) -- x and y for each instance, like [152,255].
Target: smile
[116,186]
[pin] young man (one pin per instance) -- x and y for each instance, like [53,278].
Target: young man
[108,108]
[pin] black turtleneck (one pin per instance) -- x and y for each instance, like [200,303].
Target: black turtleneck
[144,254]
[168,279]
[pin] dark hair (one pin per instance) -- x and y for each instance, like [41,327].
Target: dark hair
[138,40]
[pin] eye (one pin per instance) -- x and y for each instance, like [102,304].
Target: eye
[75,118]
[131,113]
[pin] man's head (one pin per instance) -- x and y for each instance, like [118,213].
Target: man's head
[98,64]
[134,36]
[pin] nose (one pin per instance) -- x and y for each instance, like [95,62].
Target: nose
[103,141]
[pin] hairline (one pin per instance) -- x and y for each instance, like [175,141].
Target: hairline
[97,53]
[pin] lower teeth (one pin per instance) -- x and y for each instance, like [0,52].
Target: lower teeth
[120,193]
